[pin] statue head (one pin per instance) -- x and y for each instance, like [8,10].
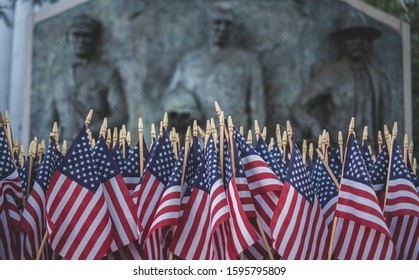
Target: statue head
[84,32]
[354,35]
[221,19]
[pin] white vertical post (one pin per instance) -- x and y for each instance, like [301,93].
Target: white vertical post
[17,100]
[6,35]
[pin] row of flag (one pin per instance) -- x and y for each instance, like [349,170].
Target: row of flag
[217,197]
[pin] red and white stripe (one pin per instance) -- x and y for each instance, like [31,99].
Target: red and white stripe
[246,197]
[260,176]
[10,194]
[243,234]
[360,221]
[122,212]
[131,183]
[202,216]
[299,231]
[78,221]
[402,217]
[167,213]
[33,223]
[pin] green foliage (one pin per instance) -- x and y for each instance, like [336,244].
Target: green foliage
[408,11]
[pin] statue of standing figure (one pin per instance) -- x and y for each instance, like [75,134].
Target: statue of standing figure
[88,83]
[223,73]
[349,87]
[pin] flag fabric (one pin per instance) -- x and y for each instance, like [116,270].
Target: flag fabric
[361,231]
[334,163]
[298,228]
[264,185]
[194,158]
[118,157]
[10,203]
[148,192]
[326,191]
[131,171]
[118,199]
[378,174]
[277,154]
[366,155]
[243,234]
[33,220]
[78,221]
[168,208]
[206,210]
[263,150]
[402,207]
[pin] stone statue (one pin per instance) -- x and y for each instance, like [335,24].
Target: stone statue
[88,83]
[349,87]
[220,72]
[182,109]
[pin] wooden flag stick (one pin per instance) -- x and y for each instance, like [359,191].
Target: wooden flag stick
[340,143]
[114,137]
[129,138]
[207,133]
[222,127]
[184,166]
[271,143]
[305,151]
[250,137]
[88,118]
[411,152]
[311,151]
[153,134]
[290,136]
[414,166]
[387,136]
[140,145]
[405,149]
[390,154]
[64,148]
[32,154]
[41,149]
[41,248]
[284,144]
[380,140]
[332,237]
[174,142]
[365,135]
[264,133]
[122,140]
[109,138]
[257,130]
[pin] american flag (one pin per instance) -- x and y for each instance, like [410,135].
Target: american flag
[10,202]
[78,221]
[118,157]
[361,231]
[264,184]
[298,228]
[194,158]
[131,171]
[148,192]
[167,213]
[378,174]
[263,150]
[277,154]
[118,199]
[206,210]
[243,234]
[334,163]
[326,191]
[33,220]
[366,155]
[402,207]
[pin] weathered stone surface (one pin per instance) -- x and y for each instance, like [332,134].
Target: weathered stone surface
[146,39]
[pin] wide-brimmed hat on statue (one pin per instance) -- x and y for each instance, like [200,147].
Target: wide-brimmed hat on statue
[354,21]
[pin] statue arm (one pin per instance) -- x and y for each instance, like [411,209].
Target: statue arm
[117,103]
